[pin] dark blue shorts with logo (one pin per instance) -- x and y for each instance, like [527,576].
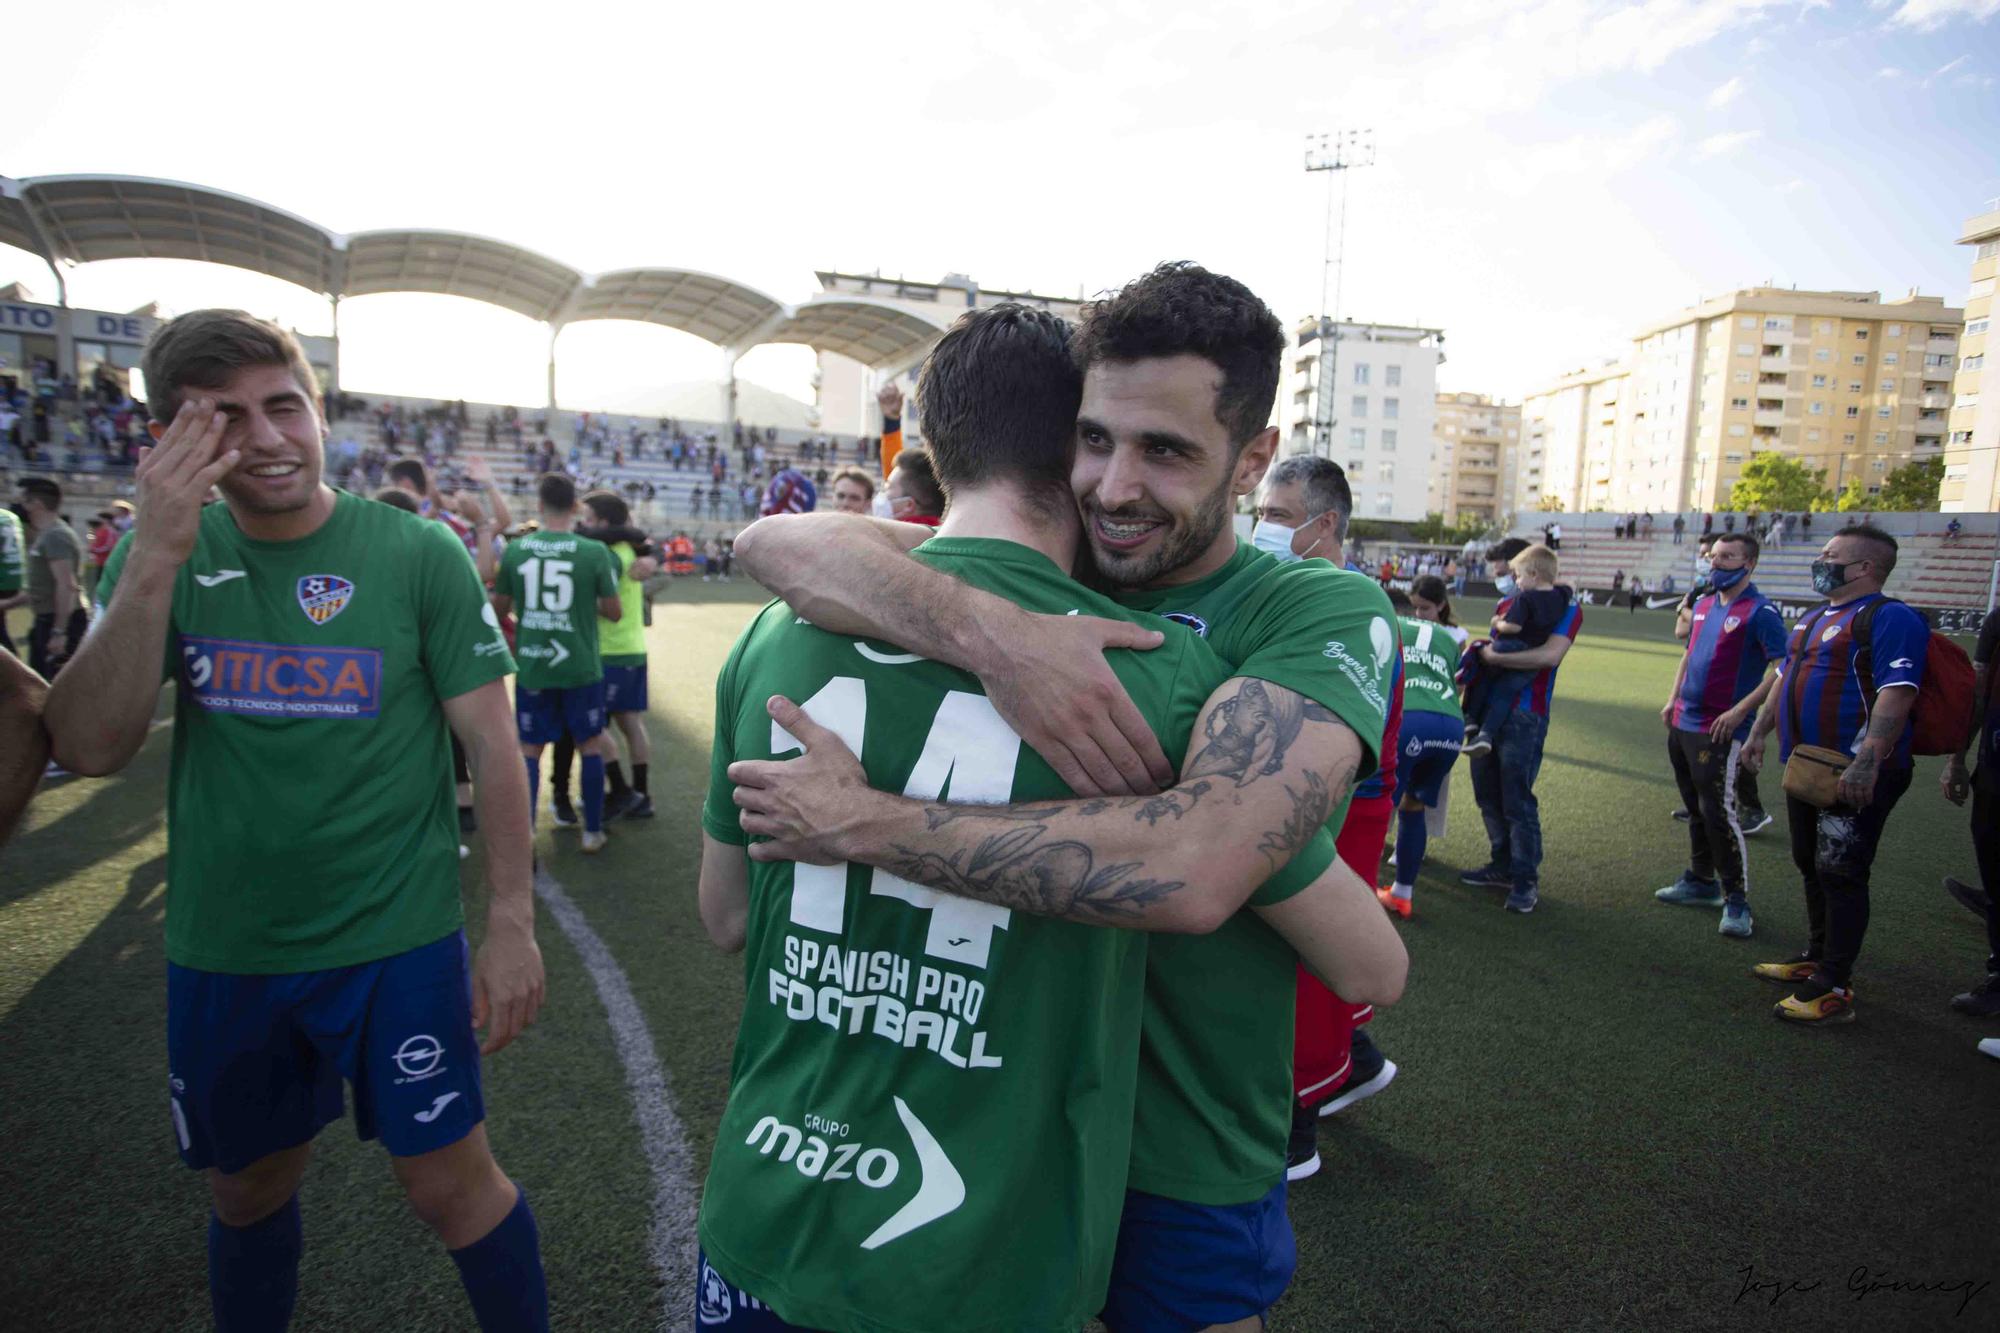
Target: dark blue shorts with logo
[546,716]
[625,688]
[255,1063]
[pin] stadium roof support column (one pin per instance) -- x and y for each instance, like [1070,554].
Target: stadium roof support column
[333,378]
[554,329]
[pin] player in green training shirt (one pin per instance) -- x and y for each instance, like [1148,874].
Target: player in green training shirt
[1182,371]
[1433,730]
[320,645]
[918,1075]
[13,571]
[561,583]
[623,643]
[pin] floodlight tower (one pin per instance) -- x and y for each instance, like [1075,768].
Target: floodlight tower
[1337,152]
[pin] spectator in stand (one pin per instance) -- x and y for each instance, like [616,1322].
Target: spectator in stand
[1984,788]
[853,491]
[1824,699]
[914,494]
[1618,529]
[55,556]
[1646,525]
[1638,595]
[1618,581]
[1707,525]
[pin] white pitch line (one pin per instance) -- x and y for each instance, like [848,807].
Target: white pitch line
[661,1137]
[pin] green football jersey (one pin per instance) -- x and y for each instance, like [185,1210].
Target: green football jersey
[1215,1069]
[930,1108]
[623,641]
[555,579]
[1430,668]
[310,816]
[13,554]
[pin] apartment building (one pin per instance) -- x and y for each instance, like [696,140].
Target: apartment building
[1842,381]
[1474,458]
[1972,441]
[1365,396]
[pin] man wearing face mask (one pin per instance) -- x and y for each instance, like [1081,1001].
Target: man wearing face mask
[1751,816]
[1848,683]
[913,490]
[1737,633]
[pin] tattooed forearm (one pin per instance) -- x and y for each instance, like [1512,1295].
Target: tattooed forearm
[1018,869]
[1310,809]
[1249,733]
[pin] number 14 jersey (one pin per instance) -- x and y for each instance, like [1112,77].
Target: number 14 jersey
[930,1106]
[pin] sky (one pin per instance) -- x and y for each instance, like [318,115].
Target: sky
[1549,175]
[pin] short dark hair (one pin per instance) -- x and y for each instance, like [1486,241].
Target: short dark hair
[921,476]
[1885,545]
[413,471]
[1433,590]
[857,476]
[1707,539]
[1756,548]
[43,491]
[998,396]
[1504,550]
[1399,601]
[609,508]
[203,348]
[397,498]
[1181,309]
[556,493]
[1322,481]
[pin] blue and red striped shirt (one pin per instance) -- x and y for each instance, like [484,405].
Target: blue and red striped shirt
[1541,691]
[1376,783]
[1823,700]
[1729,646]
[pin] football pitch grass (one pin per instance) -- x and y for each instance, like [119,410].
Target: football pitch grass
[1598,1123]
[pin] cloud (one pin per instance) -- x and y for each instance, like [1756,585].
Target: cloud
[1792,186]
[1591,155]
[1928,15]
[1949,67]
[1888,72]
[1727,93]
[1717,145]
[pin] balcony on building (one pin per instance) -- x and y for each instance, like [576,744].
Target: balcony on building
[1768,417]
[1777,364]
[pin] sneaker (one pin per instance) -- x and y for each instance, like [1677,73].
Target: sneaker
[1795,969]
[54,770]
[1683,815]
[1392,857]
[1302,1153]
[1395,906]
[641,807]
[1972,900]
[468,822]
[1990,1046]
[1522,901]
[1478,745]
[1736,920]
[1487,877]
[593,843]
[1362,1083]
[1754,821]
[1816,1003]
[463,851]
[1690,892]
[565,813]
[618,804]
[1983,1002]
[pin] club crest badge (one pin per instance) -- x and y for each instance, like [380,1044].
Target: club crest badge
[324,596]
[1730,624]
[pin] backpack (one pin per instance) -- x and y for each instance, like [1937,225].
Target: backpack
[1942,718]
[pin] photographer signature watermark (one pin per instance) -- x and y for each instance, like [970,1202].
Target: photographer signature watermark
[1861,1283]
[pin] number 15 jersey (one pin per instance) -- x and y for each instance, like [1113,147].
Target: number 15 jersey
[930,1106]
[555,579]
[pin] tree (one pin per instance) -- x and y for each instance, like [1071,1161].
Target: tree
[1912,487]
[1774,483]
[1549,504]
[1852,498]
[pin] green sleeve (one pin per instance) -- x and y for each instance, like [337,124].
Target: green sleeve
[720,818]
[107,583]
[462,645]
[503,576]
[1196,677]
[1330,636]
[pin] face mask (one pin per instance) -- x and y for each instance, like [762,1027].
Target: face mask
[1702,569]
[1829,577]
[1507,584]
[1725,579]
[1274,538]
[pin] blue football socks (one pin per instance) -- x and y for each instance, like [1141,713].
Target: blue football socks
[593,793]
[1412,837]
[253,1271]
[534,790]
[502,1273]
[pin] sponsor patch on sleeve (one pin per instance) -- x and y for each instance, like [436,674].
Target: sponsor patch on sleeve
[281,680]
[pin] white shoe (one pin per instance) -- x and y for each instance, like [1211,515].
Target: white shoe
[1990,1046]
[463,851]
[593,842]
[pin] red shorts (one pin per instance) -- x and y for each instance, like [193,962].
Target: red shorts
[1324,1031]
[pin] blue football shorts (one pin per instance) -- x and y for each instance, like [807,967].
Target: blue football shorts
[1425,751]
[1183,1266]
[255,1063]
[720,1303]
[625,689]
[546,716]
